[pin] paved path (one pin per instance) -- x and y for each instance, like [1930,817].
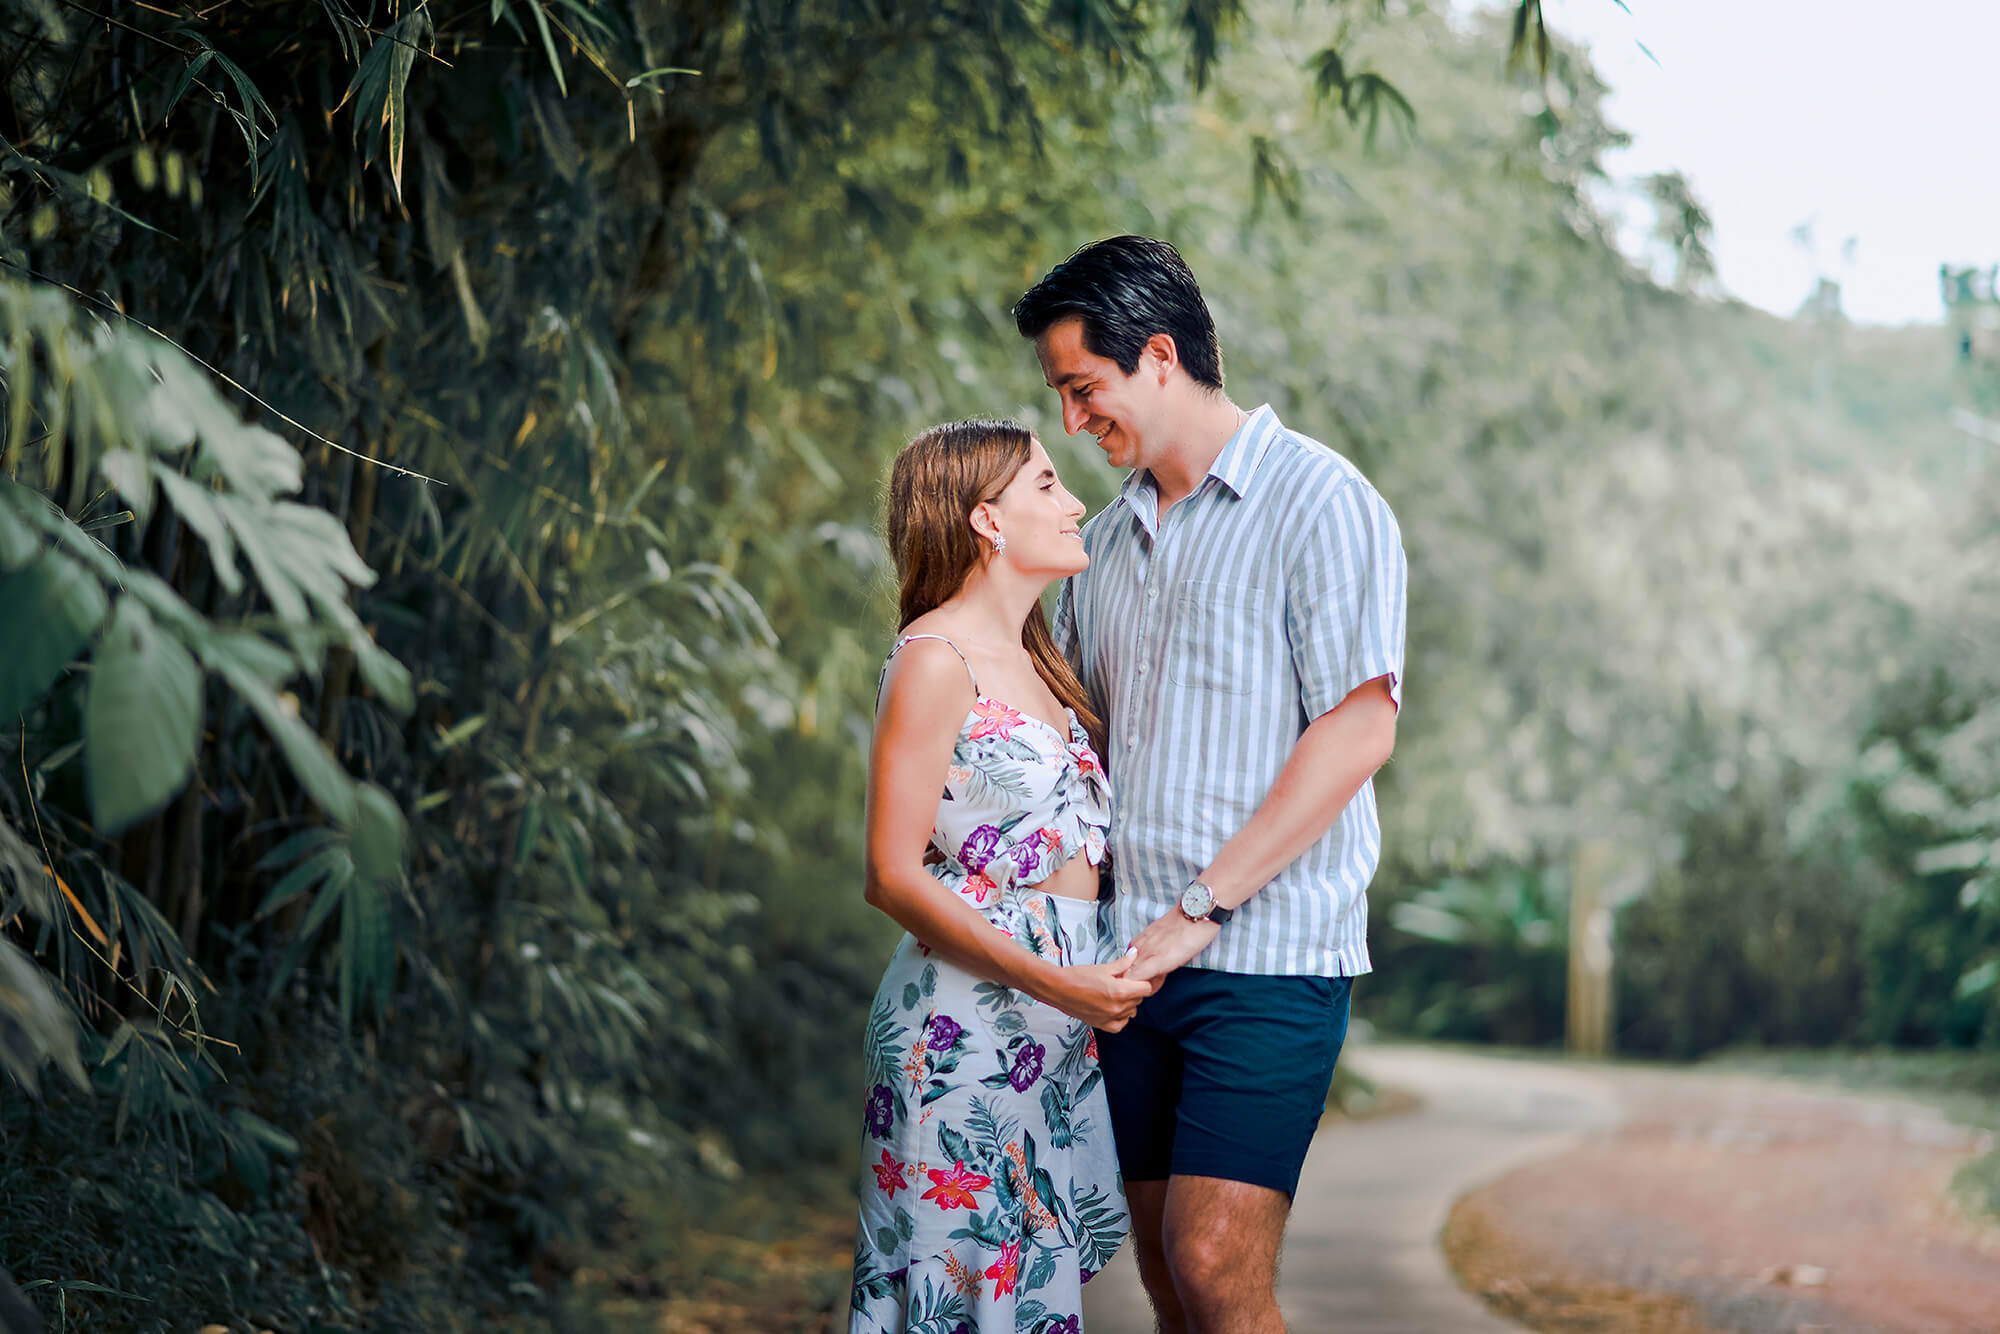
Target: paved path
[1361,1255]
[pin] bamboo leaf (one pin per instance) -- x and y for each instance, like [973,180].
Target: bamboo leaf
[141,719]
[313,870]
[649,75]
[367,949]
[189,73]
[549,44]
[330,895]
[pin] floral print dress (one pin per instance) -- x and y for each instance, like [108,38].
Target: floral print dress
[989,1188]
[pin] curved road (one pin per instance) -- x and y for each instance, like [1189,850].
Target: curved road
[1361,1255]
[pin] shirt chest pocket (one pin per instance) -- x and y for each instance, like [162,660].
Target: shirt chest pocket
[1217,634]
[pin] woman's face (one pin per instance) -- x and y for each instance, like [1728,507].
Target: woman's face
[1040,520]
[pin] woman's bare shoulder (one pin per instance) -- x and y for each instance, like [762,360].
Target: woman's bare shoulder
[927,671]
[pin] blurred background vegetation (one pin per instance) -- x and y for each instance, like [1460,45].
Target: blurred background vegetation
[438,562]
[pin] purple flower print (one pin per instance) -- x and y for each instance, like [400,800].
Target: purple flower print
[1026,856]
[1027,1066]
[979,846]
[1071,1325]
[882,1110]
[944,1033]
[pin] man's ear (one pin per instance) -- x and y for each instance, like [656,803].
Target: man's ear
[1160,356]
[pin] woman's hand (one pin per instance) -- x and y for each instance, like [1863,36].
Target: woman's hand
[1100,994]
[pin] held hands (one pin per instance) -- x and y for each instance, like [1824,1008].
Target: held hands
[1101,994]
[1169,942]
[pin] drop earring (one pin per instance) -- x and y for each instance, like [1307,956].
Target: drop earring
[999,543]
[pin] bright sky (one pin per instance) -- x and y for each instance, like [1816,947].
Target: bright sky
[1871,120]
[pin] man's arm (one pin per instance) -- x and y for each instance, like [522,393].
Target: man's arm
[1334,756]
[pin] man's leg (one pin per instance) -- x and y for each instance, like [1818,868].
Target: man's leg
[1148,1202]
[1222,1239]
[1257,1054]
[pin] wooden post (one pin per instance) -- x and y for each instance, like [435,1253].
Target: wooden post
[1589,1026]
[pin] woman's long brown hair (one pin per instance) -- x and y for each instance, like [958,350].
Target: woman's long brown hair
[937,481]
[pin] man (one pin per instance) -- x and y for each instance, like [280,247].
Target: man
[1241,625]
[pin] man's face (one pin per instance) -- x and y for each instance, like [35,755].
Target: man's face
[1096,396]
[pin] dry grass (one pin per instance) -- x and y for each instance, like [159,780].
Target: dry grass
[1524,1285]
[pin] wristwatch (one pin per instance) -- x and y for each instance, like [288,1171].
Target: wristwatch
[1198,904]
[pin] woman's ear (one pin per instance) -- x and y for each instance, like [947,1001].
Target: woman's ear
[983,522]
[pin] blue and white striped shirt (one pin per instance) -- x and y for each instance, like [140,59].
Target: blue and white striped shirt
[1209,642]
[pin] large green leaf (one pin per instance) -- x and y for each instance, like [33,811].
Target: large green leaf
[255,462]
[141,719]
[35,1026]
[380,836]
[51,609]
[19,543]
[318,772]
[385,676]
[196,505]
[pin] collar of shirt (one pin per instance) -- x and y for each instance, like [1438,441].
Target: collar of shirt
[1234,467]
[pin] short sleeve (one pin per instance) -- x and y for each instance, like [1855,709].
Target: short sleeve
[1346,595]
[1064,628]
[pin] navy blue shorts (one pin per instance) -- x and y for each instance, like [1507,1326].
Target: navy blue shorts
[1224,1075]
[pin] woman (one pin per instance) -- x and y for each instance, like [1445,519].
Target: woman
[989,1189]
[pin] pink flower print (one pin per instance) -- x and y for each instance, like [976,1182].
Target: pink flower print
[980,887]
[995,719]
[889,1175]
[954,1189]
[1006,1270]
[1086,761]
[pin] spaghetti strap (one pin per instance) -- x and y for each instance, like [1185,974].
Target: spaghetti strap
[897,648]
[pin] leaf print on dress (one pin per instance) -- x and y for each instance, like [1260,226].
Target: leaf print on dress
[1100,1226]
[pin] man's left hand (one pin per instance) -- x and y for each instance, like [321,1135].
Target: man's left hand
[1169,942]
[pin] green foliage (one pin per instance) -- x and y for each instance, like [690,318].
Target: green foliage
[1480,959]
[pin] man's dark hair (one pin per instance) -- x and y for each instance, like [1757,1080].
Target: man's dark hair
[1126,289]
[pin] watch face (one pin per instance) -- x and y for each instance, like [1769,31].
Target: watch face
[1197,899]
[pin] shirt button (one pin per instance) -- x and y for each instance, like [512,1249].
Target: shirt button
[1142,669]
[1152,591]
[1131,741]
